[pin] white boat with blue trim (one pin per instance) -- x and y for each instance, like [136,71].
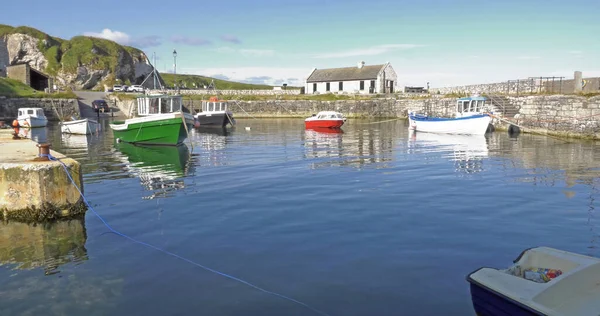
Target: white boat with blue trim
[470,118]
[542,281]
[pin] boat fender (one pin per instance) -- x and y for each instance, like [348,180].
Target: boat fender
[118,140]
[15,123]
[247,128]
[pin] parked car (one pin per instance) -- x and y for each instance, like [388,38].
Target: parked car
[136,88]
[100,106]
[118,88]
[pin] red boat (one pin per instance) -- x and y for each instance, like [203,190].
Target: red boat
[325,119]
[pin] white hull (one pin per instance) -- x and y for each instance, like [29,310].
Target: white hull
[477,125]
[574,292]
[82,127]
[32,121]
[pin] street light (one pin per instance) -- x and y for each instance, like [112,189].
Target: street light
[175,66]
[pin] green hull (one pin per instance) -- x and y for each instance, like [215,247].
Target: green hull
[162,132]
[168,159]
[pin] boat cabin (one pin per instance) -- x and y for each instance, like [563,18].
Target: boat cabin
[39,112]
[324,115]
[214,105]
[158,104]
[470,106]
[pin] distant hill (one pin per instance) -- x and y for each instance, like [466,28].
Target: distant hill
[200,81]
[82,62]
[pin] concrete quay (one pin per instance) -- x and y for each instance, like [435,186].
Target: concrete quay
[35,190]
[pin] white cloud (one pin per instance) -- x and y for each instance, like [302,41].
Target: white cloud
[247,52]
[119,37]
[369,51]
[125,39]
[528,57]
[268,75]
[257,52]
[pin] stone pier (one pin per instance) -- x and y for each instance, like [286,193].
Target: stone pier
[33,190]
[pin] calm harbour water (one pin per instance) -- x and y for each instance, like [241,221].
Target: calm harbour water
[372,221]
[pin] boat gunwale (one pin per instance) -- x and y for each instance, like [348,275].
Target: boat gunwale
[501,295]
[420,118]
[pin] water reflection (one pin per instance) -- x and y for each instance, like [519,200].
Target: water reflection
[46,246]
[213,142]
[160,168]
[467,151]
[355,147]
[37,134]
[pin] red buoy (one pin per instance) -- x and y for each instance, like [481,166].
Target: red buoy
[15,123]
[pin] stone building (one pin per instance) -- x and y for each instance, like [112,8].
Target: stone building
[360,79]
[29,76]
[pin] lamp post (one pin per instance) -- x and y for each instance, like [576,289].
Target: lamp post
[175,66]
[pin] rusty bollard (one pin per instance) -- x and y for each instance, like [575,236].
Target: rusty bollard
[44,151]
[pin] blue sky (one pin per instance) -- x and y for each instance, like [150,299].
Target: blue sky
[266,41]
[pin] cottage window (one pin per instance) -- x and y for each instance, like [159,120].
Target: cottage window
[362,85]
[314,87]
[327,86]
[341,86]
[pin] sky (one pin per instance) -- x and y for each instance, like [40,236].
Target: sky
[445,43]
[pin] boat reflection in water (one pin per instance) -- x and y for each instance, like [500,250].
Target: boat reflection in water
[45,246]
[37,134]
[323,142]
[160,168]
[213,142]
[467,151]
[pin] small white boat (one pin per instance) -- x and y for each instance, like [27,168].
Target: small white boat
[32,117]
[469,118]
[542,281]
[82,127]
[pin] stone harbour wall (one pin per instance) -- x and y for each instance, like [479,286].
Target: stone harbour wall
[53,108]
[507,87]
[560,115]
[210,93]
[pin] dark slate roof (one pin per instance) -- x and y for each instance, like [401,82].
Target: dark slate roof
[346,73]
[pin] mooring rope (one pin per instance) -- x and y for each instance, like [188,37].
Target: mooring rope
[379,122]
[116,232]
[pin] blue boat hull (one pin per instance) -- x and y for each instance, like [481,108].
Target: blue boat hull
[489,303]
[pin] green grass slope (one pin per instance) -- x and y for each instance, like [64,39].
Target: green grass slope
[16,89]
[200,81]
[98,53]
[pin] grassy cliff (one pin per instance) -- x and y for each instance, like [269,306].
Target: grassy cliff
[15,89]
[64,56]
[200,81]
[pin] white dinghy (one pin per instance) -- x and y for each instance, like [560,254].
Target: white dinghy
[542,281]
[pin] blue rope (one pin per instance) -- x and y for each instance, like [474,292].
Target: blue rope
[173,254]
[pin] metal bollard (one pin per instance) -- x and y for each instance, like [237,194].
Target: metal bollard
[44,151]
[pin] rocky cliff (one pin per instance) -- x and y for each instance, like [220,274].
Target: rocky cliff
[80,63]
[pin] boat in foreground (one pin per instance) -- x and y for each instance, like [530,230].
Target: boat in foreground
[160,121]
[82,127]
[31,117]
[215,113]
[542,281]
[325,119]
[469,118]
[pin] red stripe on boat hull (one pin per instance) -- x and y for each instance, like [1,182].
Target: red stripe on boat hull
[324,124]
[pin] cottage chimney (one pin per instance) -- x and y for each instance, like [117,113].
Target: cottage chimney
[361,64]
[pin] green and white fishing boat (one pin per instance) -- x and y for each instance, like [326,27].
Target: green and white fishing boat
[160,120]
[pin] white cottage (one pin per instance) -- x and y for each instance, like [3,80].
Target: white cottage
[360,79]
